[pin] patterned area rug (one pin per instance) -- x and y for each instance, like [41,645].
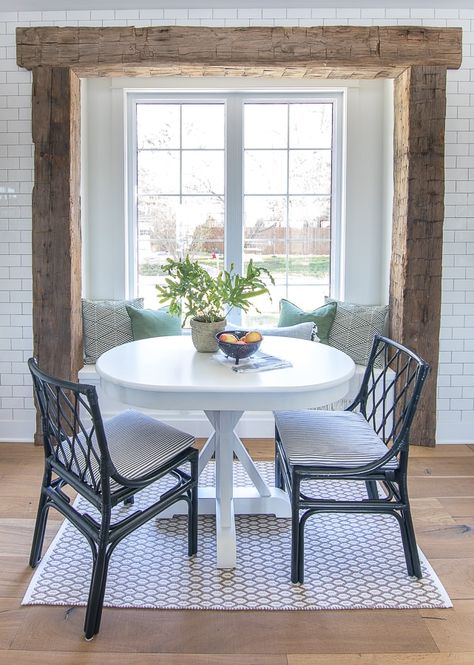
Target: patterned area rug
[352,561]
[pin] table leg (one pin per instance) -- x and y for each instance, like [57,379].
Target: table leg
[224,423]
[207,452]
[228,499]
[249,465]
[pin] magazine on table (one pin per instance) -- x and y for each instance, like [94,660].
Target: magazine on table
[259,362]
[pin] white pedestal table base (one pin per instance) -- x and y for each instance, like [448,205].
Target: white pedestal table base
[224,500]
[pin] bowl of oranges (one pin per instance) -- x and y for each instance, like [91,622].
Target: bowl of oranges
[239,344]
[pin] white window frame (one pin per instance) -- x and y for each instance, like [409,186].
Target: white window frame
[233,215]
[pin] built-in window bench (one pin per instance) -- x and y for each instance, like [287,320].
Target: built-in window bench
[351,329]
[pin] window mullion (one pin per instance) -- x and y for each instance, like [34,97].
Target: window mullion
[181,154]
[131,286]
[287,207]
[233,238]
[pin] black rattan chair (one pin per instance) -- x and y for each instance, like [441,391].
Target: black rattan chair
[368,442]
[106,462]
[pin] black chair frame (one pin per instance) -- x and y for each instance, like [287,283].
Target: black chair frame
[77,455]
[392,424]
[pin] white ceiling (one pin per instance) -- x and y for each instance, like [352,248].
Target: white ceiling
[35,5]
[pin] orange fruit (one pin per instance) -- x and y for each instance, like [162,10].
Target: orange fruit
[253,336]
[228,337]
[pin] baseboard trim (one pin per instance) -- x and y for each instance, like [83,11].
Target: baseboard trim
[254,424]
[17,431]
[454,432]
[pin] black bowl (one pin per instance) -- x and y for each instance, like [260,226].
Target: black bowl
[237,351]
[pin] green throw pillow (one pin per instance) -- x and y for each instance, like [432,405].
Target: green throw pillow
[322,317]
[153,323]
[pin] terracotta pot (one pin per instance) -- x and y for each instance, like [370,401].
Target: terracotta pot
[203,334]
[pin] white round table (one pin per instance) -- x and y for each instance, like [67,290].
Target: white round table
[168,373]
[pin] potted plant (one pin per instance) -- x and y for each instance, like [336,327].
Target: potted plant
[191,291]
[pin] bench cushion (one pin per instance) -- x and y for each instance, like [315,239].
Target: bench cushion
[329,439]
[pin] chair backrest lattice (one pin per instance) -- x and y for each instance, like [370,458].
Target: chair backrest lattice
[73,433]
[391,389]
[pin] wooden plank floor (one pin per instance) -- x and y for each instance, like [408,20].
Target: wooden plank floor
[442,489]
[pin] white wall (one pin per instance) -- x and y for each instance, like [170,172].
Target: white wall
[456,379]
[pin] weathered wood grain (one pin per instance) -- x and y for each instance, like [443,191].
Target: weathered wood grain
[342,49]
[56,234]
[417,235]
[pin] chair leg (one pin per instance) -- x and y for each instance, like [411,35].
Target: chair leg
[411,550]
[295,529]
[96,594]
[40,525]
[408,533]
[100,604]
[301,550]
[372,491]
[406,544]
[193,510]
[38,537]
[279,481]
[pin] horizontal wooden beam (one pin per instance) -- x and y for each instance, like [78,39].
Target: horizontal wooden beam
[327,51]
[274,72]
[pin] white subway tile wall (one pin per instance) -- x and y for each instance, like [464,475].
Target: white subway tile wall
[456,375]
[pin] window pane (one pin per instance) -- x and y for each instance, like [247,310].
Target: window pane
[168,228]
[310,125]
[265,172]
[157,126]
[203,126]
[308,260]
[203,172]
[265,225]
[203,227]
[265,125]
[308,297]
[158,172]
[309,212]
[310,172]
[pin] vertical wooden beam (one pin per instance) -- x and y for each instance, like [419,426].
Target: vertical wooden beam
[417,241]
[56,240]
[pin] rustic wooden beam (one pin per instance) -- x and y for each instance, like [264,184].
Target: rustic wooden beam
[268,71]
[342,49]
[56,240]
[418,214]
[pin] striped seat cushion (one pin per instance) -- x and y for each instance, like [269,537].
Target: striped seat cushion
[329,439]
[139,445]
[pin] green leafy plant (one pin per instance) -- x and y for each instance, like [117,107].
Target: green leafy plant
[190,290]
